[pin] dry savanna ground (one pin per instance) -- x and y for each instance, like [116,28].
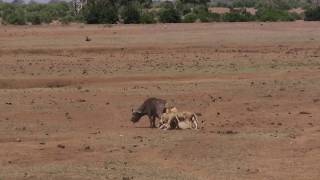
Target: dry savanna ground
[66,102]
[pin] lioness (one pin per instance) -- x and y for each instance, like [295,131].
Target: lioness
[173,119]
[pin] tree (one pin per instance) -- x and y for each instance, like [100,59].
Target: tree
[147,18]
[100,12]
[238,16]
[131,14]
[190,18]
[143,3]
[34,18]
[14,15]
[169,14]
[273,14]
[312,14]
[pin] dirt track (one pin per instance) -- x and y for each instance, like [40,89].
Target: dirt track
[65,103]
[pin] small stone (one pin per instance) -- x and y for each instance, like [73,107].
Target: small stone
[61,146]
[88,39]
[87,148]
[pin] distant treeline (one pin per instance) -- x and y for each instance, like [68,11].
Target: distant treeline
[281,4]
[147,12]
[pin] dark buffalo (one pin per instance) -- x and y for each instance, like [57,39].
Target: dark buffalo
[151,107]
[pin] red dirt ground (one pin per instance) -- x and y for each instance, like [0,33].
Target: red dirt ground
[66,103]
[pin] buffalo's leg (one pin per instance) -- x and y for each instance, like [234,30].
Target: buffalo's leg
[152,122]
[150,119]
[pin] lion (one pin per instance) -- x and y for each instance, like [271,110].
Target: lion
[173,119]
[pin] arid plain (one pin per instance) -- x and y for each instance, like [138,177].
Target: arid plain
[66,102]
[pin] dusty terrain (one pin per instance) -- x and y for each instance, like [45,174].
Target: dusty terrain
[66,102]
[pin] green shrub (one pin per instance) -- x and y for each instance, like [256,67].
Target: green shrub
[67,19]
[213,17]
[34,18]
[269,14]
[45,17]
[190,18]
[209,17]
[184,8]
[34,7]
[312,14]
[169,14]
[244,3]
[147,18]
[238,16]
[222,4]
[57,10]
[200,9]
[14,16]
[296,16]
[130,14]
[100,12]
[146,4]
[280,4]
[6,8]
[46,13]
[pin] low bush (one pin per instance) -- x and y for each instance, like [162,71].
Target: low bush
[147,18]
[14,16]
[100,12]
[130,14]
[312,14]
[169,14]
[209,17]
[67,19]
[183,8]
[244,3]
[270,14]
[190,18]
[238,16]
[34,18]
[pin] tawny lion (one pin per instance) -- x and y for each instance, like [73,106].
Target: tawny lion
[173,119]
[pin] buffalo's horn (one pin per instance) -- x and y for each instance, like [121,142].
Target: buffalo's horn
[136,111]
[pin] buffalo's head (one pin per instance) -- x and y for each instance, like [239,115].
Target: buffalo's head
[136,115]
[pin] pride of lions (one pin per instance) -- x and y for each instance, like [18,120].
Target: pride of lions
[173,119]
